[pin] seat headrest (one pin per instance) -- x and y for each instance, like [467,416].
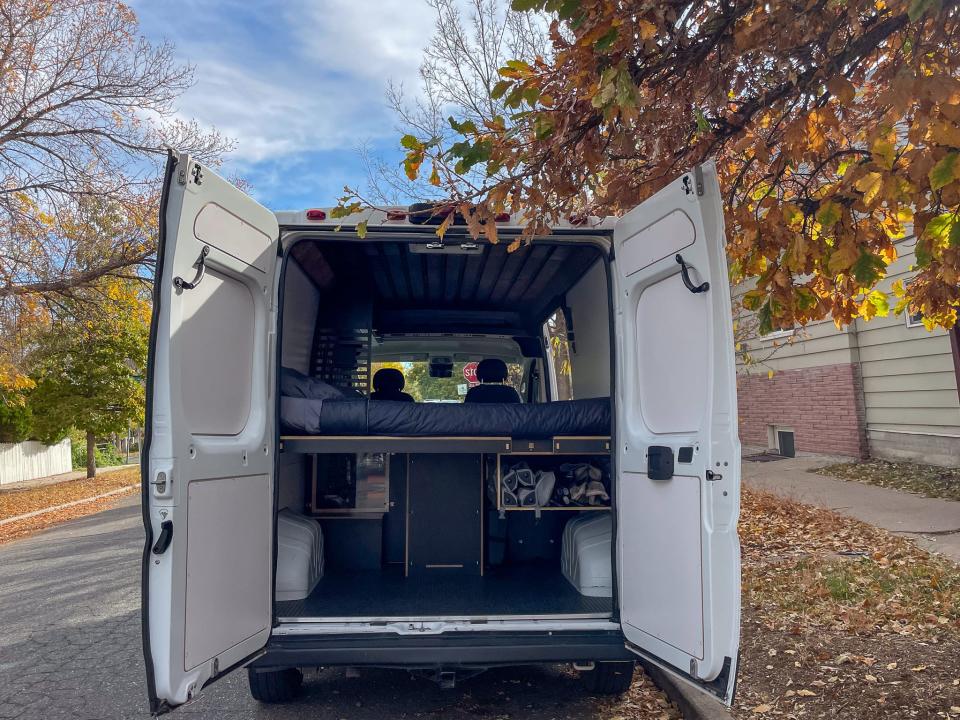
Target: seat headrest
[388,380]
[491,370]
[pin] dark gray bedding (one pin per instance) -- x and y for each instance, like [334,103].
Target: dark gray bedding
[309,416]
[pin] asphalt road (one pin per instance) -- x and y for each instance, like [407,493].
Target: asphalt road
[70,648]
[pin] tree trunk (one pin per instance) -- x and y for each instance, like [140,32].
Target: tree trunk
[91,454]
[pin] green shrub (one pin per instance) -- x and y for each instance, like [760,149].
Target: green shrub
[15,420]
[104,456]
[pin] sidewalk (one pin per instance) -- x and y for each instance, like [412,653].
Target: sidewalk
[933,524]
[64,477]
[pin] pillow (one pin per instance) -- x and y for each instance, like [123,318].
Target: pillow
[296,384]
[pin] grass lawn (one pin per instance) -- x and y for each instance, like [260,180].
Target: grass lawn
[15,501]
[928,480]
[843,620]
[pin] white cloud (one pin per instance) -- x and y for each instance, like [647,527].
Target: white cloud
[288,78]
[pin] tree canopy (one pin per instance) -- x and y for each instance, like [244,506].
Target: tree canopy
[87,366]
[835,126]
[87,107]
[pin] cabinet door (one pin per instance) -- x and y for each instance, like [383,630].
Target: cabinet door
[444,522]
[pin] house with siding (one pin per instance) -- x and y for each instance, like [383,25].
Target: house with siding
[884,388]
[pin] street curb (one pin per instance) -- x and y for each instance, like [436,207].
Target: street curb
[26,516]
[693,704]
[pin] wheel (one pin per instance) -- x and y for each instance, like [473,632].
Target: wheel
[608,678]
[275,686]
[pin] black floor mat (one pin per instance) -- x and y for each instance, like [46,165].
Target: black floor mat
[523,590]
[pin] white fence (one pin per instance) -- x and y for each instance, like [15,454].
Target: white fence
[29,460]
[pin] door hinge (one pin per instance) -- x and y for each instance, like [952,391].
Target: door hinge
[698,179]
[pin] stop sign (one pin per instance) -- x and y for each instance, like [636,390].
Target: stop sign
[470,373]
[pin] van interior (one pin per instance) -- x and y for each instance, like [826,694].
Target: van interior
[444,421]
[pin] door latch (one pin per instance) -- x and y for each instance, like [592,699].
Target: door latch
[180,284]
[711,475]
[160,483]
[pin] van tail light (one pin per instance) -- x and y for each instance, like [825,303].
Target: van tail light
[576,220]
[316,215]
[396,215]
[501,217]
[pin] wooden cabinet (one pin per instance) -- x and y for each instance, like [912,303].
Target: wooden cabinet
[444,514]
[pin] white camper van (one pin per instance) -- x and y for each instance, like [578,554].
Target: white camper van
[576,503]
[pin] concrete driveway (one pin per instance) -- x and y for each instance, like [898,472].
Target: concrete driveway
[70,648]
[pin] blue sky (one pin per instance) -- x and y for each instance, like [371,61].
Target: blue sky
[298,84]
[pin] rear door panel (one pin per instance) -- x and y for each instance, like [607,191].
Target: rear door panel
[677,548]
[208,471]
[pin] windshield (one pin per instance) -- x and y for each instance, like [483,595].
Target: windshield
[424,388]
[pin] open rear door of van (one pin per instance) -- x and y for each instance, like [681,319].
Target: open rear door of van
[208,454]
[678,458]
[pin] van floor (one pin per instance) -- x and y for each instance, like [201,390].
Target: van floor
[526,590]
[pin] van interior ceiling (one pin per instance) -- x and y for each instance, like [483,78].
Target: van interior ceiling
[440,507]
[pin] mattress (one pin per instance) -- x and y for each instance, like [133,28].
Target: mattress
[309,416]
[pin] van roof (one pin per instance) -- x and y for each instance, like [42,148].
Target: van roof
[410,217]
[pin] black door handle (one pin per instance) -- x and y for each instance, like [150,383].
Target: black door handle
[685,274]
[201,264]
[166,535]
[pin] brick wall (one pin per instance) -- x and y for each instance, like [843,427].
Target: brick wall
[823,405]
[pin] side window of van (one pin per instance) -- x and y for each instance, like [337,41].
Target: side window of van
[558,356]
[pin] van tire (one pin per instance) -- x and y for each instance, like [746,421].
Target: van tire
[275,686]
[608,678]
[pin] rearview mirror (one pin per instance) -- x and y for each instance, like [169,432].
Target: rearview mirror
[440,368]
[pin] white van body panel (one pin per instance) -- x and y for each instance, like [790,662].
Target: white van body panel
[678,555]
[208,605]
[209,478]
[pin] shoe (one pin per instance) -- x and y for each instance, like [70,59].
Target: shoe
[596,493]
[546,481]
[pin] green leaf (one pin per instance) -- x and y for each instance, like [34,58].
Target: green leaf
[530,95]
[941,227]
[520,66]
[880,301]
[702,124]
[542,126]
[465,127]
[342,211]
[919,8]
[922,251]
[362,229]
[954,237]
[570,10]
[500,88]
[829,214]
[525,5]
[868,268]
[471,155]
[515,97]
[765,317]
[606,40]
[945,171]
[410,142]
[806,299]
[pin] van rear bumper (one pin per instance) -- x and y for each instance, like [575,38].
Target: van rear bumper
[444,650]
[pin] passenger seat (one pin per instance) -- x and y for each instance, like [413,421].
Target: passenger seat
[491,373]
[388,385]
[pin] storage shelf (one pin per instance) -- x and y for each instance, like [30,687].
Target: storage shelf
[557,507]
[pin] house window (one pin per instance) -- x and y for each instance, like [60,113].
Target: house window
[779,334]
[914,319]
